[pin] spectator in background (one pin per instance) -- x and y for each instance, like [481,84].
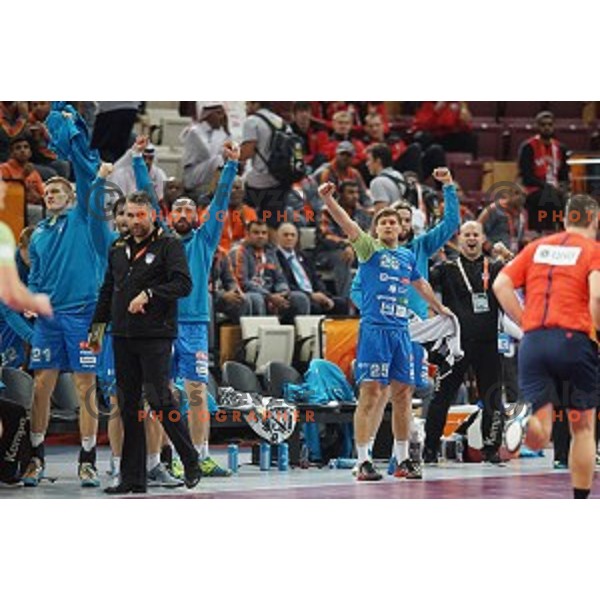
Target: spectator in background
[423,198]
[236,218]
[504,223]
[334,250]
[544,174]
[445,123]
[302,203]
[13,123]
[314,137]
[301,276]
[172,189]
[203,153]
[259,275]
[263,190]
[340,170]
[387,186]
[342,130]
[227,296]
[19,167]
[45,160]
[123,174]
[113,127]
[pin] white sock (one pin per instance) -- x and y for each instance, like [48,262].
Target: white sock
[37,439]
[88,443]
[202,450]
[371,444]
[117,464]
[363,453]
[153,460]
[400,450]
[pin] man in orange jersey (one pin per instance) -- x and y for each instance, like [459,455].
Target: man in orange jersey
[558,362]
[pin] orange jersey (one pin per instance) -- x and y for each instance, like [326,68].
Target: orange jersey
[554,272]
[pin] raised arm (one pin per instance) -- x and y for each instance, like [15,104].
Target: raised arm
[211,230]
[444,231]
[338,214]
[100,232]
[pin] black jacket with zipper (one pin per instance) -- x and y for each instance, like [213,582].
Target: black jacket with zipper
[159,267]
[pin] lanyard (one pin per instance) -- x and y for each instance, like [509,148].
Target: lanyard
[486,275]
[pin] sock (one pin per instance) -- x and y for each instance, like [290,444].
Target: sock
[37,439]
[400,450]
[202,450]
[363,453]
[88,443]
[580,494]
[371,444]
[153,460]
[117,465]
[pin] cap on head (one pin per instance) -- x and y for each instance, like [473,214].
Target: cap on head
[345,147]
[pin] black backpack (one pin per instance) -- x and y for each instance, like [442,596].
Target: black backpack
[286,154]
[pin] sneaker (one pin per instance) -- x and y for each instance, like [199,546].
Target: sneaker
[210,468]
[160,477]
[367,472]
[176,470]
[430,457]
[516,428]
[88,475]
[392,465]
[409,469]
[34,472]
[230,399]
[491,456]
[560,465]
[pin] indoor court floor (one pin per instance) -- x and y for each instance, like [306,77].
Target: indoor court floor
[523,478]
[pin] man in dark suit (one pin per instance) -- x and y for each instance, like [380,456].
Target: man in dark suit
[302,276]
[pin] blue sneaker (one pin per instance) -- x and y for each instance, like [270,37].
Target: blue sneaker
[392,465]
[33,473]
[88,475]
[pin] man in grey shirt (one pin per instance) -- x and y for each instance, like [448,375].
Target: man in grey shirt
[263,191]
[387,186]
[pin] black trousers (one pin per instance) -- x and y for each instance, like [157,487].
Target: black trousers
[143,371]
[485,360]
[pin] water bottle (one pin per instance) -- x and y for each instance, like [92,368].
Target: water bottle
[232,457]
[459,448]
[283,457]
[342,463]
[265,456]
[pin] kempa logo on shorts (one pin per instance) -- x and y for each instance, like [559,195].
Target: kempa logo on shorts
[558,256]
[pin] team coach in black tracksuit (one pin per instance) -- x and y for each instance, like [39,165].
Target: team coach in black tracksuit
[147,273]
[466,287]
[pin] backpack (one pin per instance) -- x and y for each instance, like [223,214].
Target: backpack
[15,446]
[400,183]
[286,154]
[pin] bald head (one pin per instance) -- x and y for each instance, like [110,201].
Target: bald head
[471,239]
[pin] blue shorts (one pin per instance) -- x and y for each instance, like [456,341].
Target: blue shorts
[560,367]
[56,343]
[190,353]
[12,348]
[384,355]
[107,378]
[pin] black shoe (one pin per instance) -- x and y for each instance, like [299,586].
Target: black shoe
[125,488]
[430,457]
[492,456]
[192,476]
[409,469]
[367,472]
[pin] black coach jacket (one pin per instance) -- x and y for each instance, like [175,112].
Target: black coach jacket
[159,267]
